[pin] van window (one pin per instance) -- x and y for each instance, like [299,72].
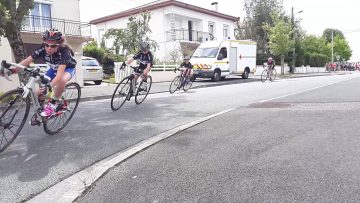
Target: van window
[223,51]
[205,52]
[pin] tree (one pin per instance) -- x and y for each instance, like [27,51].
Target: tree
[328,32]
[129,38]
[341,48]
[174,56]
[258,13]
[280,41]
[91,50]
[316,51]
[12,13]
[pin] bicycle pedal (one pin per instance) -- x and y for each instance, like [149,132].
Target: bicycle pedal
[34,120]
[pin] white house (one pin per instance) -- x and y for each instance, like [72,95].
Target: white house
[174,23]
[63,15]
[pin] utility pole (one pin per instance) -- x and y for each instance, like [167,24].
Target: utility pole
[332,47]
[293,34]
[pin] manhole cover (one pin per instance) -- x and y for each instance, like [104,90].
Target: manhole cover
[270,105]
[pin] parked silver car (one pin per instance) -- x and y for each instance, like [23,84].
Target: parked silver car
[92,71]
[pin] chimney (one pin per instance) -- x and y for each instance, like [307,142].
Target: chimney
[215,6]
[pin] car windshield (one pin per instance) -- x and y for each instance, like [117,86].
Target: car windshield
[90,62]
[206,52]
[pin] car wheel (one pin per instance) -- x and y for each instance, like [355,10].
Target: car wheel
[98,82]
[217,76]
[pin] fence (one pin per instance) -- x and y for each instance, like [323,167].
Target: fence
[121,74]
[40,24]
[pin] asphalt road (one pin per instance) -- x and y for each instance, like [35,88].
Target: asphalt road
[301,148]
[36,161]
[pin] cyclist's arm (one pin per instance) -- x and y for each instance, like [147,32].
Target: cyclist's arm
[27,61]
[130,60]
[59,74]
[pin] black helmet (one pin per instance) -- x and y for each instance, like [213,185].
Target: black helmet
[53,35]
[144,46]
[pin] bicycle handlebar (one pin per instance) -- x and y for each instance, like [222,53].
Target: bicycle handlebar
[123,65]
[35,72]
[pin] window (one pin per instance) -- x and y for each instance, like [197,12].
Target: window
[211,30]
[40,16]
[226,32]
[90,62]
[205,52]
[223,51]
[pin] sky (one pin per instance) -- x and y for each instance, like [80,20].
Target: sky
[317,15]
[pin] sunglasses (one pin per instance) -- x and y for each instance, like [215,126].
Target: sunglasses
[51,45]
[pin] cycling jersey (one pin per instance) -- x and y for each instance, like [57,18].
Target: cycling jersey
[271,64]
[62,57]
[144,59]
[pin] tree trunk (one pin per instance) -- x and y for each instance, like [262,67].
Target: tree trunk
[17,46]
[282,64]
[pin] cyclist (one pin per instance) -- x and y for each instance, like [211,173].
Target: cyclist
[271,63]
[60,57]
[145,58]
[187,68]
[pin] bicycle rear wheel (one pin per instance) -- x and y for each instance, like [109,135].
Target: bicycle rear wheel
[14,110]
[120,94]
[273,75]
[141,94]
[264,76]
[174,85]
[187,85]
[70,102]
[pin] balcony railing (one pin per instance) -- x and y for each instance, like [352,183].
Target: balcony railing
[187,35]
[37,24]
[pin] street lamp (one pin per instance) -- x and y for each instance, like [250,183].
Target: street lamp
[293,26]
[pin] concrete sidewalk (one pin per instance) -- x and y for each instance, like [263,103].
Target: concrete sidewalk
[105,90]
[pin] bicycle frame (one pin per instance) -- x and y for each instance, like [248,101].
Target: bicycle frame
[132,76]
[29,88]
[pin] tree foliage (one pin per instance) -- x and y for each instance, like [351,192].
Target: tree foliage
[328,32]
[280,36]
[258,13]
[12,13]
[129,38]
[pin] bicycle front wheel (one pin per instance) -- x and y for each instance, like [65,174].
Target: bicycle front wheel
[264,76]
[120,94]
[174,85]
[14,110]
[69,103]
[142,92]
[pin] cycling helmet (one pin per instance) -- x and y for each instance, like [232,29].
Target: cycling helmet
[270,59]
[186,58]
[53,35]
[144,46]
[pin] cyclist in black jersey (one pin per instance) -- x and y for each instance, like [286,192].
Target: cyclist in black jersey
[145,58]
[60,58]
[187,67]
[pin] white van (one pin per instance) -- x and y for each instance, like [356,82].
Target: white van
[218,59]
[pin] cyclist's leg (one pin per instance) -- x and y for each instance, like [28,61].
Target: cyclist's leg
[50,74]
[145,72]
[60,87]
